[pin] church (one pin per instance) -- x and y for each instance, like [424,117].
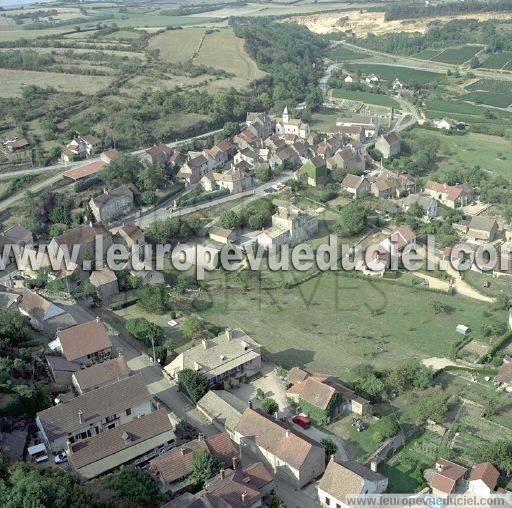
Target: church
[292,126]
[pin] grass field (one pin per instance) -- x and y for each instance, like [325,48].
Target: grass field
[12,81]
[366,97]
[324,119]
[427,54]
[405,74]
[352,321]
[457,55]
[441,107]
[341,54]
[177,45]
[497,60]
[149,20]
[496,99]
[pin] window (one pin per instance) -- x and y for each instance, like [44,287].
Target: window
[128,411]
[327,501]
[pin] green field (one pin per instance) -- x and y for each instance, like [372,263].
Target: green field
[351,320]
[498,100]
[177,45]
[427,54]
[341,54]
[442,107]
[389,73]
[457,55]
[497,60]
[366,97]
[490,85]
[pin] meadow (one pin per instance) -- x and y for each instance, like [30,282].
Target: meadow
[177,45]
[389,73]
[366,97]
[457,55]
[341,54]
[352,320]
[497,60]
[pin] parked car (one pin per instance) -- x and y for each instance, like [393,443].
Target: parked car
[60,457]
[302,421]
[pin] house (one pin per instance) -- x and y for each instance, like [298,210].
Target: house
[427,203]
[113,204]
[105,282]
[448,478]
[94,412]
[222,235]
[110,155]
[44,315]
[61,370]
[222,409]
[226,146]
[370,124]
[80,147]
[233,180]
[355,132]
[100,374]
[347,159]
[344,479]
[397,85]
[483,479]
[248,138]
[291,455]
[504,376]
[231,488]
[371,78]
[158,154]
[133,442]
[85,171]
[389,144]
[313,172]
[18,235]
[290,226]
[130,235]
[261,122]
[193,169]
[285,155]
[453,196]
[387,184]
[328,396]
[218,156]
[176,464]
[85,344]
[358,186]
[92,144]
[288,125]
[351,78]
[444,124]
[399,240]
[17,145]
[482,229]
[224,360]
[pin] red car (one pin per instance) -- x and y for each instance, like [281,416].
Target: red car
[302,421]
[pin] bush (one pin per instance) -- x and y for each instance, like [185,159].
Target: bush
[145,331]
[270,406]
[153,299]
[192,383]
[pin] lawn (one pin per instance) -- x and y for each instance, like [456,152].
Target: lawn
[341,53]
[324,119]
[351,321]
[177,45]
[405,74]
[366,97]
[497,60]
[457,55]
[11,82]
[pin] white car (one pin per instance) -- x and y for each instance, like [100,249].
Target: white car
[60,457]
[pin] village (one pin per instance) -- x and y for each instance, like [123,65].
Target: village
[217,423]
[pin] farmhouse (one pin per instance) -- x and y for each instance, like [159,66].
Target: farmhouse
[289,225]
[134,442]
[100,374]
[389,144]
[291,456]
[387,184]
[344,479]
[289,125]
[85,344]
[453,196]
[80,147]
[448,478]
[313,172]
[94,412]
[224,360]
[347,159]
[233,180]
[427,203]
[370,124]
[193,169]
[356,185]
[110,155]
[482,229]
[112,204]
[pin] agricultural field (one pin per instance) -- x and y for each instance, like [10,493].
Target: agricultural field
[496,99]
[366,97]
[457,55]
[341,54]
[389,73]
[497,60]
[466,112]
[427,54]
[397,321]
[177,45]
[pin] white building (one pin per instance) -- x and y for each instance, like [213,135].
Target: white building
[294,126]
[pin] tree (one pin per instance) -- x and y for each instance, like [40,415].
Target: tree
[329,445]
[229,219]
[137,486]
[269,405]
[263,173]
[413,374]
[14,328]
[204,467]
[153,299]
[499,453]
[432,408]
[192,326]
[145,331]
[353,219]
[192,383]
[124,169]
[491,406]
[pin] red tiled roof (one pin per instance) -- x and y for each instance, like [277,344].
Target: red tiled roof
[85,171]
[486,472]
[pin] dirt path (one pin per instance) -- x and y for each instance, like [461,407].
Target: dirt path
[439,363]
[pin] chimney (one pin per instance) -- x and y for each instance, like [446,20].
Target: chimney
[250,404]
[244,497]
[373,466]
[221,474]
[200,437]
[80,413]
[235,463]
[158,405]
[204,343]
[97,319]
[229,333]
[287,432]
[126,437]
[182,450]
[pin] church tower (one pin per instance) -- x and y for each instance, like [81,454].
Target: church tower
[286,115]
